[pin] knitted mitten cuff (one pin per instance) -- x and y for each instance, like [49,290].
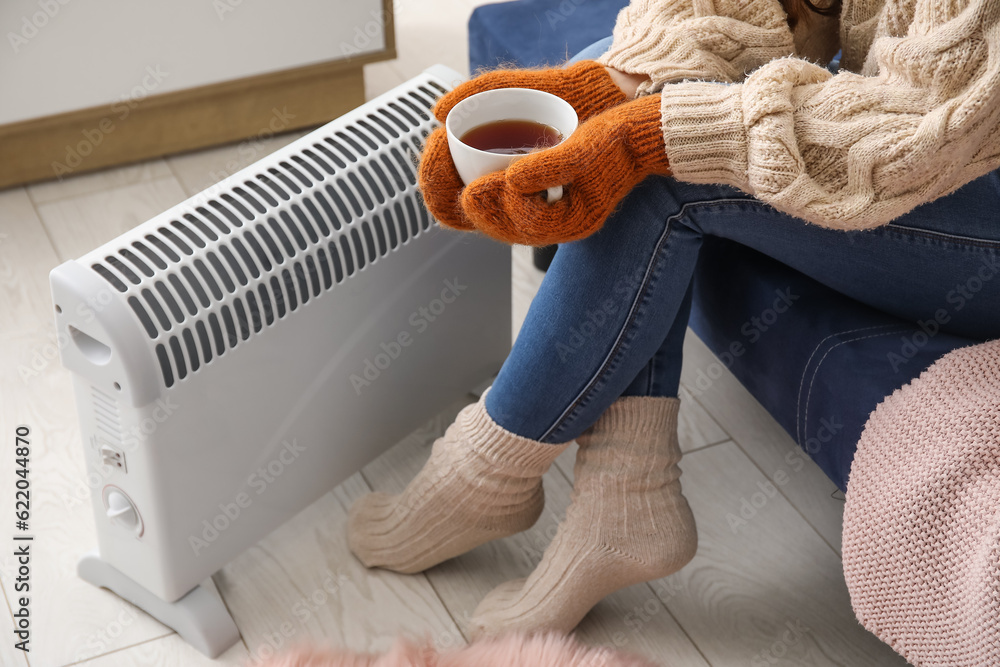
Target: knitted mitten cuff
[644,134]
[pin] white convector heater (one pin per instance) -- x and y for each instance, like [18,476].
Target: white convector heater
[239,355]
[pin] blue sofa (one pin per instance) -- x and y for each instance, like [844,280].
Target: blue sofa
[821,369]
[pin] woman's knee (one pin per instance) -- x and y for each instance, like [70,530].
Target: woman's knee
[637,222]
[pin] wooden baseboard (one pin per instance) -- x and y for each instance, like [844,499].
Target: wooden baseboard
[67,144]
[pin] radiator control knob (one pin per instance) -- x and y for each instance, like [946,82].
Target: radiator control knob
[121,510]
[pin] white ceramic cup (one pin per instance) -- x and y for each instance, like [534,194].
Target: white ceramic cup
[503,104]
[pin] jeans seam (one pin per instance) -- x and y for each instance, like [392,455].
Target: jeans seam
[650,380]
[805,371]
[633,310]
[944,236]
[589,386]
[805,421]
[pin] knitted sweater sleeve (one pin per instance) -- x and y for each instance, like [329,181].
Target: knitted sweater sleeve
[715,40]
[852,151]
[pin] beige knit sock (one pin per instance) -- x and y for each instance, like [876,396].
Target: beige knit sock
[480,483]
[628,523]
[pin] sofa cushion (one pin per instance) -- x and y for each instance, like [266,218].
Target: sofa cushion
[532,33]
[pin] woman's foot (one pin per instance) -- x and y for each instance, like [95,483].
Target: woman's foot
[628,523]
[480,483]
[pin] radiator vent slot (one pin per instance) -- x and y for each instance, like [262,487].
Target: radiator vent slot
[237,259]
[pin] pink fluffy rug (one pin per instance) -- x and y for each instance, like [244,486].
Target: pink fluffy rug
[536,651]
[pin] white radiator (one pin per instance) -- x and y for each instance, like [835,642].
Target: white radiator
[237,356]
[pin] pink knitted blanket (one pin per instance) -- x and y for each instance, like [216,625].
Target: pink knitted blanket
[922,523]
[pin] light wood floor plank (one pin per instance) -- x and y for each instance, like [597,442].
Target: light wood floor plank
[106,179]
[167,651]
[9,656]
[302,583]
[26,257]
[201,169]
[767,590]
[695,426]
[765,441]
[80,224]
[73,620]
[462,582]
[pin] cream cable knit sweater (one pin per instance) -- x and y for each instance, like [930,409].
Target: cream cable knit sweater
[913,114]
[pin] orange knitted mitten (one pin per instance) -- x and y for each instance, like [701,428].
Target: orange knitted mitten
[585,85]
[599,164]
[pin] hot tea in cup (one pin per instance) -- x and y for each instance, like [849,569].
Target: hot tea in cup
[490,130]
[512,137]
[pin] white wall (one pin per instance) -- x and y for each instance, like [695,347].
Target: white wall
[63,55]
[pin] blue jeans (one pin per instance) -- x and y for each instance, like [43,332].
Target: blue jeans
[610,317]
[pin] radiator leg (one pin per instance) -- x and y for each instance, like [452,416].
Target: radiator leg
[200,617]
